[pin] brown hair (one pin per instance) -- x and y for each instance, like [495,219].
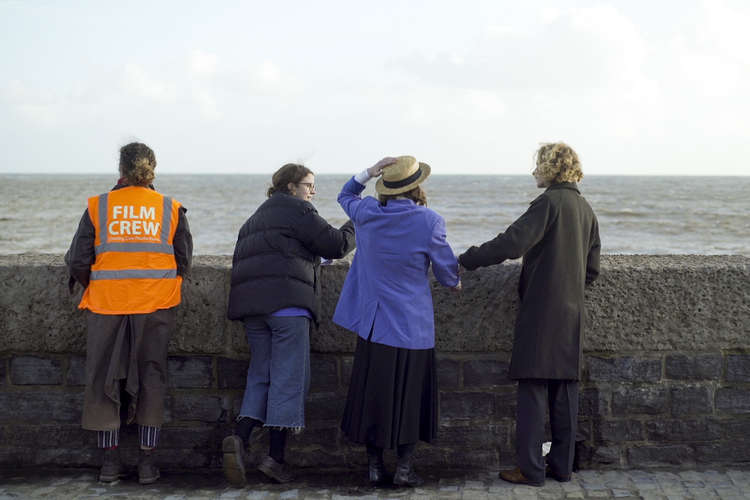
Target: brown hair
[291,172]
[137,164]
[417,195]
[557,162]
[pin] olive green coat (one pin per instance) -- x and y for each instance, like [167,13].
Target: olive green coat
[558,237]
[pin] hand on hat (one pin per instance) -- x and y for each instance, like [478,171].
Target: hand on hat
[377,169]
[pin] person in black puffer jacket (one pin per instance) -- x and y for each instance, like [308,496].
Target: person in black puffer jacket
[275,292]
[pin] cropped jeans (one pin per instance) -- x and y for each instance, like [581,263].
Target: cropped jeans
[278,377]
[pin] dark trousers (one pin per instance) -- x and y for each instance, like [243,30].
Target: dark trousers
[534,397]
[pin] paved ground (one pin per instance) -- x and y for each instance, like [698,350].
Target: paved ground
[70,483]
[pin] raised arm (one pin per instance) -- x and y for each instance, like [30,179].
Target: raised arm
[349,198]
[520,236]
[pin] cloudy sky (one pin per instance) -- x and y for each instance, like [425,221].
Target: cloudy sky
[636,87]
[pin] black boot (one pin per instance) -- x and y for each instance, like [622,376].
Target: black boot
[376,467]
[112,468]
[233,448]
[405,475]
[274,465]
[148,472]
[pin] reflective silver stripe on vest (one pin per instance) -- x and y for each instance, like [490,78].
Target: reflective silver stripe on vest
[163,247]
[166,219]
[127,274]
[103,217]
[135,247]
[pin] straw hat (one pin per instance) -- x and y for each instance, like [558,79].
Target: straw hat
[402,176]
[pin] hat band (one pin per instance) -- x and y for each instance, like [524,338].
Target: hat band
[403,182]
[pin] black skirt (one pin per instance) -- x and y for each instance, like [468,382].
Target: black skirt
[393,398]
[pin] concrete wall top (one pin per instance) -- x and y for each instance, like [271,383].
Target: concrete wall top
[640,303]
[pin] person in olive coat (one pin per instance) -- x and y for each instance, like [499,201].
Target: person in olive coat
[558,237]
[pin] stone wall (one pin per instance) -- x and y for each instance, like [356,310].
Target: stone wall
[666,380]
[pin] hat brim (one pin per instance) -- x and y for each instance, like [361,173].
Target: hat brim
[425,170]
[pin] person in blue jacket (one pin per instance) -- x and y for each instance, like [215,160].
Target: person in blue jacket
[386,301]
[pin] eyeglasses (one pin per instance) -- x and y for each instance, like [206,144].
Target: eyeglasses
[310,185]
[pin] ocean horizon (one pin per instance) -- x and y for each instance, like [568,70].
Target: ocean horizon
[655,214]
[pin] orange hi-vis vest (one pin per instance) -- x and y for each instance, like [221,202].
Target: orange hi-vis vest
[135,271]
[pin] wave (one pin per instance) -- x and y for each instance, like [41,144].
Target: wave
[624,213]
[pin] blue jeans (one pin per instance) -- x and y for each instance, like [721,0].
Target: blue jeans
[278,377]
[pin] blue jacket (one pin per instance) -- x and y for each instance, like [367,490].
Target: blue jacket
[387,287]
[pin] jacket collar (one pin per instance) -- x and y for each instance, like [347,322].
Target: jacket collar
[565,185]
[122,182]
[398,204]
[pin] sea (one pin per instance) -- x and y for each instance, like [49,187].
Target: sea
[39,213]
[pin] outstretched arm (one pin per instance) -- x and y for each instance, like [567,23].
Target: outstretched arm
[520,236]
[444,263]
[323,239]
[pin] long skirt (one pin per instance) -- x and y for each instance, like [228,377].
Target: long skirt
[393,398]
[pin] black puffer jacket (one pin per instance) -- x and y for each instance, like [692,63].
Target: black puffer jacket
[276,261]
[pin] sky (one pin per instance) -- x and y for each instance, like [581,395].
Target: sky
[472,87]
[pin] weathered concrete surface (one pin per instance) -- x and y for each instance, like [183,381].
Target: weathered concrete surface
[657,303]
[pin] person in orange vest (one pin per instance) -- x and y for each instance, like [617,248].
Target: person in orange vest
[130,253]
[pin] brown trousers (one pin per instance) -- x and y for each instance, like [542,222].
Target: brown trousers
[131,350]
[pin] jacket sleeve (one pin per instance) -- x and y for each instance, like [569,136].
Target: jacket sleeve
[349,198]
[592,261]
[323,239]
[524,233]
[183,245]
[81,256]
[444,263]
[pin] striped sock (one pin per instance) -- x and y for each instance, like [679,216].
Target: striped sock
[108,439]
[148,436]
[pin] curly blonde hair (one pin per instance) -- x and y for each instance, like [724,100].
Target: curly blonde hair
[137,164]
[557,162]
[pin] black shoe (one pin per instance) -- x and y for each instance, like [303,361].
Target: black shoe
[378,475]
[112,468]
[274,470]
[557,477]
[234,460]
[405,476]
[148,472]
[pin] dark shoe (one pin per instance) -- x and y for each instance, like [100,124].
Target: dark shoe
[112,468]
[234,461]
[274,470]
[378,475]
[148,472]
[516,476]
[557,477]
[405,476]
